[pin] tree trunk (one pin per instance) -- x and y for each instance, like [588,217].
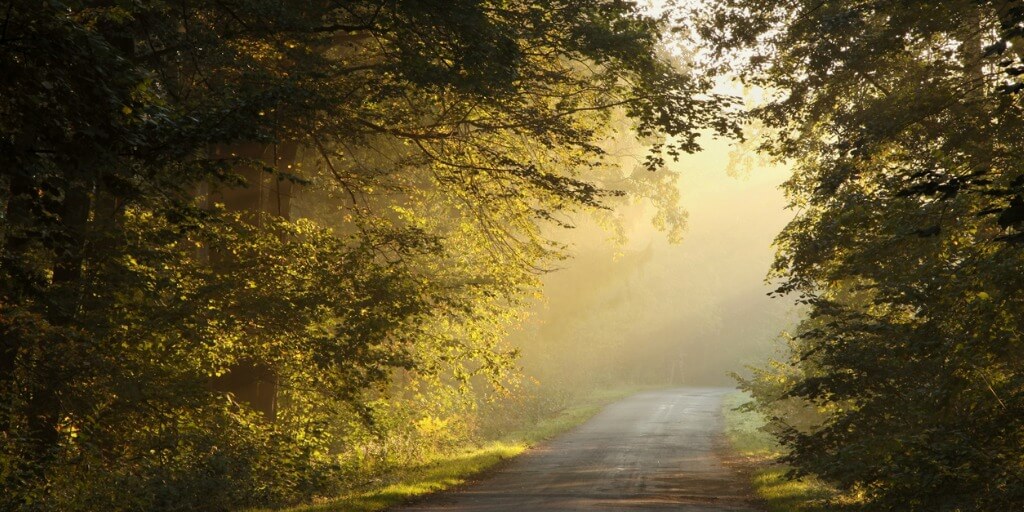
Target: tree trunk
[255,382]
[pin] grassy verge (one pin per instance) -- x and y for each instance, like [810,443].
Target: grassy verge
[758,451]
[455,469]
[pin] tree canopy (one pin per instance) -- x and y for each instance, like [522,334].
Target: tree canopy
[413,152]
[903,121]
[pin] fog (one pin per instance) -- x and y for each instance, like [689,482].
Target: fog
[648,311]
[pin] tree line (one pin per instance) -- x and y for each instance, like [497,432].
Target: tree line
[903,388]
[232,230]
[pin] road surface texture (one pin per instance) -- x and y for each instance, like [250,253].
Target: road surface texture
[652,451]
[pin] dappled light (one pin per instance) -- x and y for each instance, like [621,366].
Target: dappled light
[537,255]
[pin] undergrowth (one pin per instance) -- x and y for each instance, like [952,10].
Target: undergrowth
[446,471]
[760,452]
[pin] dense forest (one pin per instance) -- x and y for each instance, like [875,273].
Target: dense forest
[253,252]
[252,248]
[903,123]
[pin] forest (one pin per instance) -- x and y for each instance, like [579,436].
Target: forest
[258,253]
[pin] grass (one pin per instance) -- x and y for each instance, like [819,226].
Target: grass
[758,451]
[435,476]
[453,470]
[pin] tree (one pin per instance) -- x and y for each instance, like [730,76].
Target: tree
[123,296]
[903,122]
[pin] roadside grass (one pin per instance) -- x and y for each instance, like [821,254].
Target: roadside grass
[759,452]
[449,471]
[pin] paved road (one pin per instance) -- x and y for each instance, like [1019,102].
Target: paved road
[652,451]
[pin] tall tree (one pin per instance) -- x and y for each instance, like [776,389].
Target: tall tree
[903,121]
[122,296]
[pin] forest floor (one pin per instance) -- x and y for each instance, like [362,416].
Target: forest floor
[754,453]
[453,470]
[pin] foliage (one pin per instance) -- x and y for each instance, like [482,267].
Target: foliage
[903,121]
[758,452]
[435,141]
[445,470]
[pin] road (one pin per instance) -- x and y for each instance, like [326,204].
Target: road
[653,451]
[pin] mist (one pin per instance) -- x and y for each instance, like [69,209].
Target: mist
[648,311]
